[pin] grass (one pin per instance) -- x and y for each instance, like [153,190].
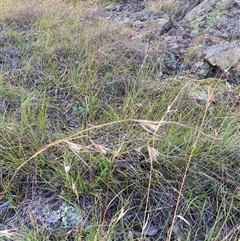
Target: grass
[80,116]
[167,7]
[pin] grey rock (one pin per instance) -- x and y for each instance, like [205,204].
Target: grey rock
[114,7]
[64,217]
[150,231]
[198,95]
[164,24]
[200,11]
[168,60]
[143,15]
[163,43]
[200,68]
[184,7]
[110,7]
[224,55]
[216,18]
[138,24]
[227,27]
[118,8]
[50,213]
[71,217]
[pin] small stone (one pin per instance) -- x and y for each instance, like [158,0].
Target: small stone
[150,231]
[114,7]
[70,217]
[199,95]
[169,60]
[143,15]
[200,68]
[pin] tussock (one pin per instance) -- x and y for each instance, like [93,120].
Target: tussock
[83,120]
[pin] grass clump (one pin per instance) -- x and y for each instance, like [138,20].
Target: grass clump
[81,122]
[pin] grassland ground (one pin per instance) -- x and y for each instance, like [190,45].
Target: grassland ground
[85,128]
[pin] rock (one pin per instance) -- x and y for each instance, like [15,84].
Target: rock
[224,56]
[168,60]
[164,24]
[184,8]
[223,22]
[207,40]
[51,214]
[200,68]
[164,43]
[200,95]
[227,27]
[150,231]
[210,89]
[142,15]
[114,7]
[138,24]
[200,12]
